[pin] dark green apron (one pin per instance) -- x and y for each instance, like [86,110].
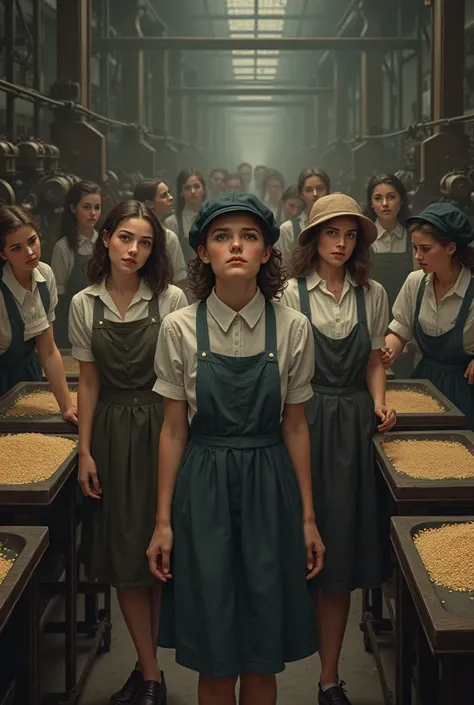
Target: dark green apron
[20,363]
[444,360]
[76,282]
[125,434]
[341,424]
[188,251]
[241,600]
[391,270]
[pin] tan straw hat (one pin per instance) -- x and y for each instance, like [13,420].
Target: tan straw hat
[334,206]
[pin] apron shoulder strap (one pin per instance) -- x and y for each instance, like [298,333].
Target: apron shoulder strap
[202,329]
[270,330]
[154,308]
[296,228]
[44,295]
[179,219]
[98,314]
[465,306]
[17,323]
[360,303]
[419,296]
[304,298]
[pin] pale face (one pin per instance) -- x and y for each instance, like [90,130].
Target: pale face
[22,249]
[246,174]
[88,211]
[274,190]
[218,182]
[130,245]
[260,176]
[292,208]
[337,241]
[234,185]
[386,202]
[313,190]
[431,255]
[163,201]
[235,247]
[193,192]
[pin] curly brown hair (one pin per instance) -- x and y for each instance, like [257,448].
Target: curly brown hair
[306,257]
[157,270]
[271,279]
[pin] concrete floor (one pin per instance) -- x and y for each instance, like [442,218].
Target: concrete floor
[297,685]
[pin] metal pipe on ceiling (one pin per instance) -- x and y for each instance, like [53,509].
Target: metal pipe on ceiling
[258,90]
[255,104]
[253,44]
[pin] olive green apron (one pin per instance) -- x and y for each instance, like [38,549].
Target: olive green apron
[238,601]
[444,360]
[76,282]
[341,423]
[20,363]
[391,270]
[125,434]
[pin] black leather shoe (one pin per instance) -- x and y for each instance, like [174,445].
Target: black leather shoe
[152,693]
[128,692]
[333,696]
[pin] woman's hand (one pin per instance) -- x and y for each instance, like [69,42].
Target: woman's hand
[387,416]
[87,477]
[469,373]
[70,415]
[315,549]
[387,356]
[159,552]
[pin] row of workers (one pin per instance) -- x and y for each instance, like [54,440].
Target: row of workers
[245,470]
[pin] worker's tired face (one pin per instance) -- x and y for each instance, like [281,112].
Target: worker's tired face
[386,202]
[313,189]
[337,240]
[130,245]
[87,211]
[21,248]
[235,247]
[431,255]
[163,201]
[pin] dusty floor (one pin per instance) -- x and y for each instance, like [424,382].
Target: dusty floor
[297,685]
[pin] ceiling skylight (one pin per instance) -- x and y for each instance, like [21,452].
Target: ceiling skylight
[257,65]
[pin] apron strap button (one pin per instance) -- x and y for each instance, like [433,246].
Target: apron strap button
[101,323]
[271,355]
[203,354]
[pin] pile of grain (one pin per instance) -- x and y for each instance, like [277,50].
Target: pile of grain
[430,460]
[410,401]
[448,555]
[5,566]
[38,404]
[31,457]
[71,366]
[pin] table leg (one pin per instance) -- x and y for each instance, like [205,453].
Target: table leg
[404,641]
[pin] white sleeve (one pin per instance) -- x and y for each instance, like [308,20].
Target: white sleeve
[379,324]
[61,265]
[404,307]
[169,364]
[80,333]
[176,256]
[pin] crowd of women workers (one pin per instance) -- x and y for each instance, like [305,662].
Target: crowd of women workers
[233,346]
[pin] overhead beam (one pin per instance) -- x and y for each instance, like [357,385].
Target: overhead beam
[262,16]
[123,44]
[246,91]
[255,104]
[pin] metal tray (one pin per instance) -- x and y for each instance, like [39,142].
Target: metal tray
[447,617]
[452,417]
[27,544]
[44,492]
[406,488]
[31,424]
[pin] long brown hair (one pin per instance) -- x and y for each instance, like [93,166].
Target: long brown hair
[271,278]
[68,227]
[306,257]
[157,271]
[464,253]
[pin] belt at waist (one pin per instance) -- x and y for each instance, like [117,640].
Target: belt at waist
[445,366]
[271,439]
[339,391]
[132,397]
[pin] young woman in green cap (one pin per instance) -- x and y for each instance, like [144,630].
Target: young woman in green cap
[435,305]
[349,317]
[235,506]
[113,327]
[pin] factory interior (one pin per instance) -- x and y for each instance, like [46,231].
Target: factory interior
[117,91]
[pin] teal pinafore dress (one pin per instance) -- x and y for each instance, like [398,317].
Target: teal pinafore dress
[444,360]
[125,435]
[241,600]
[341,423]
[20,363]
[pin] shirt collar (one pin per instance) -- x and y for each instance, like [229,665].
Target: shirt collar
[225,316]
[459,287]
[144,292]
[15,287]
[303,218]
[83,238]
[399,231]
[314,280]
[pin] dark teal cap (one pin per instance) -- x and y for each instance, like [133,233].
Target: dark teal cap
[212,208]
[447,218]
